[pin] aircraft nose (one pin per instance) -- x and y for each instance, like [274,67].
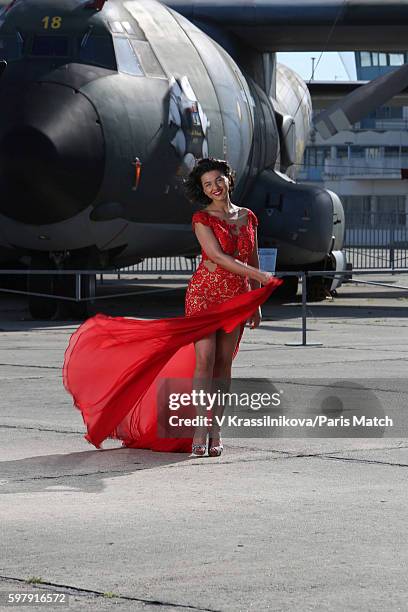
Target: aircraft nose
[52,153]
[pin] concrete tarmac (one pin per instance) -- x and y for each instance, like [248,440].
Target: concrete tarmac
[276,523]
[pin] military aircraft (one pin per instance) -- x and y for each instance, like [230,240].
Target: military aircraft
[106,104]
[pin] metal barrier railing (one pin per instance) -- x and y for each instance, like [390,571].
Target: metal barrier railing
[331,275]
[176,265]
[302,276]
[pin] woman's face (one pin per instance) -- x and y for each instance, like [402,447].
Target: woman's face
[215,185]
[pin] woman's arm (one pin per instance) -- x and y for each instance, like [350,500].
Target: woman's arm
[211,246]
[254,262]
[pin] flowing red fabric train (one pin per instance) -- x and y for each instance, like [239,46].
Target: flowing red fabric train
[111,364]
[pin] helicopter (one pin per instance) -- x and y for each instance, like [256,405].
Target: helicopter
[105,106]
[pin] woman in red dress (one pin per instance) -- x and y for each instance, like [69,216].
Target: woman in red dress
[114,367]
[229,267]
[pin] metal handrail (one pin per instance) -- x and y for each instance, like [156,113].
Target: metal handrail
[303,276]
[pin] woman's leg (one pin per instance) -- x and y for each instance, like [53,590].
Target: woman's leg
[225,347]
[202,381]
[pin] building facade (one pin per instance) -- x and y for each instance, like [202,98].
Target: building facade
[363,165]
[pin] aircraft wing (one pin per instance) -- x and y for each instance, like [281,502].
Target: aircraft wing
[326,93]
[304,25]
[359,103]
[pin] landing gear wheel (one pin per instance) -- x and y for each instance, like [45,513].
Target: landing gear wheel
[318,288]
[42,307]
[72,309]
[288,290]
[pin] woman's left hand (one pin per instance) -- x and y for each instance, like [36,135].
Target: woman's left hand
[256,319]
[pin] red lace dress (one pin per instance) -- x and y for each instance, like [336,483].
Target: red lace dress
[211,284]
[114,367]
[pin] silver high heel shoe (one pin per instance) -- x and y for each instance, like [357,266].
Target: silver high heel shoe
[199,450]
[215,451]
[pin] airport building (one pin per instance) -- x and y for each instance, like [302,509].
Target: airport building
[364,165]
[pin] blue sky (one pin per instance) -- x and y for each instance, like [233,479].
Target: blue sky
[329,68]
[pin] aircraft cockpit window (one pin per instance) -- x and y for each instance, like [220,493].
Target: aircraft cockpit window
[148,59]
[98,51]
[128,27]
[50,46]
[116,27]
[126,57]
[11,47]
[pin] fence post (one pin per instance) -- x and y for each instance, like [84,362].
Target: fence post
[392,250]
[304,342]
[77,287]
[304,309]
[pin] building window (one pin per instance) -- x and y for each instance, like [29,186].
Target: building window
[316,156]
[391,152]
[357,152]
[391,210]
[373,152]
[396,59]
[365,59]
[356,204]
[357,210]
[342,152]
[382,59]
[375,58]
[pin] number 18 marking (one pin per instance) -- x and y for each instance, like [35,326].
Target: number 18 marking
[54,22]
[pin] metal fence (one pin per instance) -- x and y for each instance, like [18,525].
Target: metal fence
[164,265]
[377,240]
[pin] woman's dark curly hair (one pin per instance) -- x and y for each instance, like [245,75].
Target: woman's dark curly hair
[193,186]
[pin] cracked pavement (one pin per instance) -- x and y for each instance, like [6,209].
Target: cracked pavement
[279,523]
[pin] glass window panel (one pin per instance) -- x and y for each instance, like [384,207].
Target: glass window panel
[366,204]
[374,59]
[126,57]
[128,27]
[50,46]
[116,27]
[391,152]
[357,152]
[396,112]
[373,152]
[147,58]
[401,204]
[396,59]
[365,58]
[319,158]
[383,59]
[98,51]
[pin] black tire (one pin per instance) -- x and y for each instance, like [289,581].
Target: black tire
[72,309]
[318,288]
[42,308]
[287,291]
